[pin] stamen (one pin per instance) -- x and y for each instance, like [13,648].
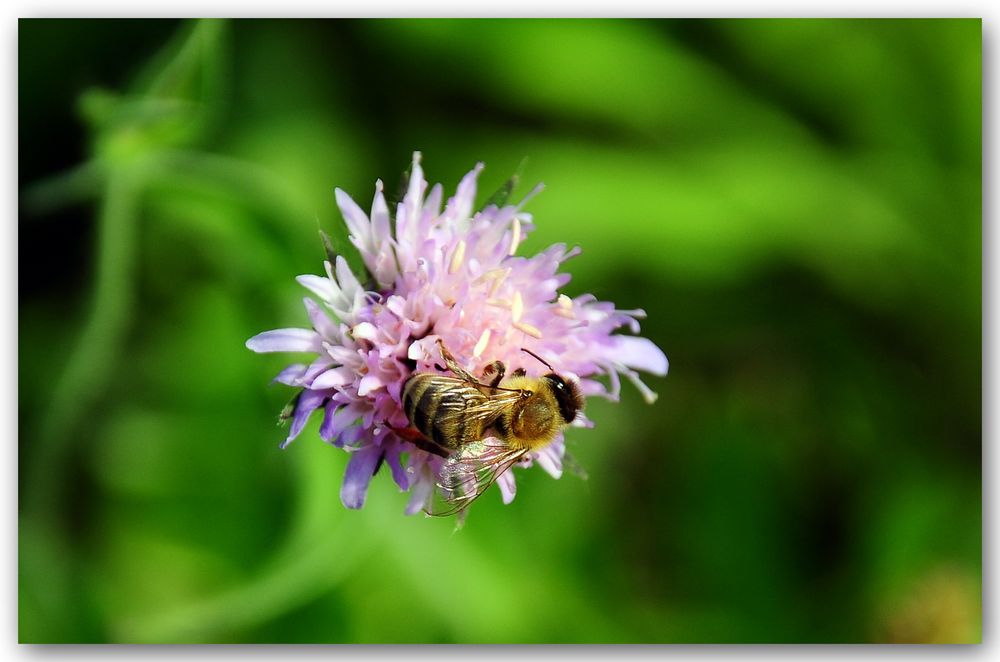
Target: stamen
[498,280]
[527,328]
[484,339]
[517,307]
[488,276]
[498,303]
[564,307]
[648,394]
[515,237]
[457,257]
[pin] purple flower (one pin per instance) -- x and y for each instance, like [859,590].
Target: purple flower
[454,275]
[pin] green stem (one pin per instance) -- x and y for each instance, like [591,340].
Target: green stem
[99,344]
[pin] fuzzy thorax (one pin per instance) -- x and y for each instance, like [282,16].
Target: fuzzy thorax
[533,423]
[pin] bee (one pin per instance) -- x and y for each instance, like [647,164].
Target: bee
[484,428]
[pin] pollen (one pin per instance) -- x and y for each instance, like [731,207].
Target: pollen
[564,307]
[517,307]
[456,257]
[480,347]
[500,275]
[489,276]
[515,236]
[532,331]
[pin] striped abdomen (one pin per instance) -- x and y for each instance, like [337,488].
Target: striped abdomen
[438,407]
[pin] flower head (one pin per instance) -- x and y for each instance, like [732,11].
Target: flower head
[450,275]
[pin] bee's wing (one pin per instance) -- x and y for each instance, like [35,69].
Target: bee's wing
[469,472]
[461,399]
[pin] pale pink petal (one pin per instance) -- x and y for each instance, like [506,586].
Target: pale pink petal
[345,277]
[507,485]
[380,217]
[640,353]
[322,287]
[292,375]
[323,325]
[465,196]
[550,458]
[420,492]
[333,377]
[286,340]
[357,221]
[368,384]
[365,331]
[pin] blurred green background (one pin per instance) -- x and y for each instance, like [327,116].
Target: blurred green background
[796,205]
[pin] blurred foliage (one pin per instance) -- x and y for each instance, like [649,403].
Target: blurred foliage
[796,205]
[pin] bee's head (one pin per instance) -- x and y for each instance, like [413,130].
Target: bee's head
[567,394]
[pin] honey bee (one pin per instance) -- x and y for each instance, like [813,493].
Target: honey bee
[484,428]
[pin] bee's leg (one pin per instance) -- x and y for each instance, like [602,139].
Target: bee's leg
[496,367]
[425,445]
[453,364]
[414,436]
[520,372]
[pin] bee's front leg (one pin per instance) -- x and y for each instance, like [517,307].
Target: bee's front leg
[496,367]
[452,364]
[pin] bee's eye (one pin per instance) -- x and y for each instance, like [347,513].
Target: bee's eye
[565,396]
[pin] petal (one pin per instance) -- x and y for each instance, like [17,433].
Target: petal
[357,221]
[550,458]
[396,466]
[324,288]
[286,340]
[465,194]
[350,437]
[432,204]
[419,495]
[318,366]
[368,384]
[359,473]
[411,201]
[323,325]
[338,419]
[648,394]
[365,331]
[333,377]
[508,488]
[346,278]
[640,353]
[308,402]
[380,217]
[292,375]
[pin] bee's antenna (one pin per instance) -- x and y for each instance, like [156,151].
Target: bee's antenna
[544,362]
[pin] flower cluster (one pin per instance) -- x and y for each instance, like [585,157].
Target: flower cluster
[451,274]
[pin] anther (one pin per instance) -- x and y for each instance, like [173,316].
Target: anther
[515,236]
[527,328]
[498,279]
[456,257]
[480,347]
[517,307]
